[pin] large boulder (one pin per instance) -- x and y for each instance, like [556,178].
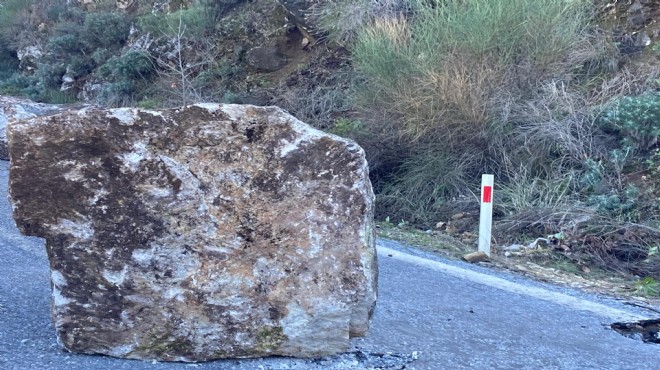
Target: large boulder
[16,109]
[212,231]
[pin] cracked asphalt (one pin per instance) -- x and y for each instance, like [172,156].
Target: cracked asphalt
[426,318]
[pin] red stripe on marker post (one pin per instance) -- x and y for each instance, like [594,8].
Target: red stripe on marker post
[487,194]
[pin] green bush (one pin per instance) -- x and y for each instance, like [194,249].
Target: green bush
[134,65]
[79,66]
[636,119]
[56,9]
[50,75]
[192,21]
[101,55]
[84,33]
[78,42]
[347,127]
[102,30]
[10,11]
[603,186]
[17,84]
[32,88]
[621,205]
[128,74]
[148,104]
[67,44]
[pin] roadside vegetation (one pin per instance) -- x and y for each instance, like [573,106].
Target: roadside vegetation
[531,91]
[565,113]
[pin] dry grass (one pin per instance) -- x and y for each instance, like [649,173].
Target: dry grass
[395,30]
[523,191]
[452,103]
[318,93]
[342,20]
[547,134]
[630,80]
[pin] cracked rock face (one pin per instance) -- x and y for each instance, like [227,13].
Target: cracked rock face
[214,231]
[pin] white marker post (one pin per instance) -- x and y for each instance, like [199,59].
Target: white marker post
[486,215]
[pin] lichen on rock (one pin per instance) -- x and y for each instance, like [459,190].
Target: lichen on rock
[16,109]
[212,231]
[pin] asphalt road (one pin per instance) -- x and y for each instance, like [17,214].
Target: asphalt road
[431,314]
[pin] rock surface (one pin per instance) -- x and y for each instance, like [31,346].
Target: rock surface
[214,231]
[15,109]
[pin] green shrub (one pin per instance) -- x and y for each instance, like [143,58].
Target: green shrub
[647,287]
[194,20]
[347,127]
[101,55]
[84,33]
[17,84]
[50,75]
[10,11]
[102,30]
[636,119]
[148,104]
[215,9]
[67,44]
[57,9]
[603,186]
[128,74]
[55,96]
[80,65]
[215,77]
[617,204]
[81,41]
[133,65]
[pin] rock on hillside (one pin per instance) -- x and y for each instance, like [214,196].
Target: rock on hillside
[212,231]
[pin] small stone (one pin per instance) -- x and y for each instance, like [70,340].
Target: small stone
[475,257]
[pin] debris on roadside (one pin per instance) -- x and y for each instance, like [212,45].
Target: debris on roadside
[475,257]
[369,360]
